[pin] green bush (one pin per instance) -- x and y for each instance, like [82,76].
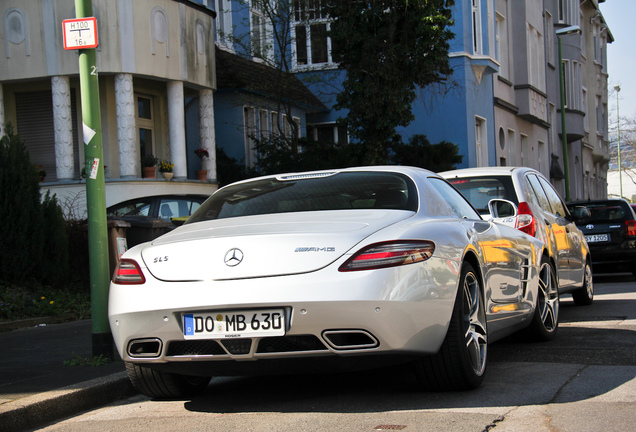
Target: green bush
[421,153]
[32,230]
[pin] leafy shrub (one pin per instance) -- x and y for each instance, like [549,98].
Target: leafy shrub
[32,230]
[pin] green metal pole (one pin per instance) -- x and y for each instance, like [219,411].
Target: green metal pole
[564,134]
[95,194]
[618,130]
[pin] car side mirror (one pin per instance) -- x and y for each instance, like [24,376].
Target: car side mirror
[580,212]
[501,208]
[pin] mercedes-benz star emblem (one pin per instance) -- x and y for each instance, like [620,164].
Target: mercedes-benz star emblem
[233,257]
[590,226]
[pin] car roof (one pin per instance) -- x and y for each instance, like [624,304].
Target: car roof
[484,171]
[407,170]
[596,201]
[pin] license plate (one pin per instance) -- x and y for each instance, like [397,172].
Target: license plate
[597,238]
[221,325]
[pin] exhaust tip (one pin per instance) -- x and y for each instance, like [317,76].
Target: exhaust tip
[350,339]
[145,348]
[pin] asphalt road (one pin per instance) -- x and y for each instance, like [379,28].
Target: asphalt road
[584,380]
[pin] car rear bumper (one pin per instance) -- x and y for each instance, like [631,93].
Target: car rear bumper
[618,257]
[358,313]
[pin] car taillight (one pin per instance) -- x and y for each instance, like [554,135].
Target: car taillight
[630,228]
[128,272]
[389,254]
[525,220]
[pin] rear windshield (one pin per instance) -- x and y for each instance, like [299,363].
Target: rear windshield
[480,190]
[329,191]
[604,212]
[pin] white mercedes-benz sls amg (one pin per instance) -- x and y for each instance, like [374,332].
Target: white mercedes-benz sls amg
[356,267]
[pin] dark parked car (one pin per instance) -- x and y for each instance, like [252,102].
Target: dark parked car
[152,216]
[610,231]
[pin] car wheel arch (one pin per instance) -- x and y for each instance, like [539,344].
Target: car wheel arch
[473,260]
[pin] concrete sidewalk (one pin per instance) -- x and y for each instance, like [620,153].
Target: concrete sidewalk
[36,387]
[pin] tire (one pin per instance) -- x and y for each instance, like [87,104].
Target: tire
[545,321]
[460,363]
[162,385]
[584,296]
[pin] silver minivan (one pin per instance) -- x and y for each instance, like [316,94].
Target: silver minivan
[534,207]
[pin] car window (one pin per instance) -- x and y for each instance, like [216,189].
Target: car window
[539,193]
[480,190]
[176,207]
[558,208]
[131,208]
[324,191]
[605,212]
[458,203]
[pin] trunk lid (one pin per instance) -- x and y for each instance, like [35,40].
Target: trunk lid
[262,246]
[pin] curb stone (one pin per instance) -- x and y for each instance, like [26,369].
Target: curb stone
[37,410]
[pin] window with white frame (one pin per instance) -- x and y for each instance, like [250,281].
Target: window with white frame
[542,157]
[596,39]
[512,146]
[145,125]
[536,60]
[476,18]
[328,132]
[525,155]
[261,30]
[586,123]
[565,67]
[249,126]
[287,127]
[568,12]
[481,142]
[223,22]
[263,124]
[274,122]
[549,29]
[502,46]
[561,13]
[599,115]
[310,44]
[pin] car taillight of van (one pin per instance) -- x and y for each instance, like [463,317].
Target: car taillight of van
[525,220]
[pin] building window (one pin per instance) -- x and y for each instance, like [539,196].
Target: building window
[502,46]
[287,127]
[263,124]
[568,12]
[249,125]
[525,156]
[542,157]
[329,132]
[511,147]
[311,45]
[549,29]
[224,22]
[481,143]
[145,126]
[536,60]
[262,35]
[586,122]
[565,66]
[476,15]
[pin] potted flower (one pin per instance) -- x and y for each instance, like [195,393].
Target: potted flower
[41,172]
[148,163]
[202,174]
[165,168]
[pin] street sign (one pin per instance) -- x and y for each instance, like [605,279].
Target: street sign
[80,33]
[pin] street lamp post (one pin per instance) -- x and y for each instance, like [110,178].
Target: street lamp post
[618,129]
[564,135]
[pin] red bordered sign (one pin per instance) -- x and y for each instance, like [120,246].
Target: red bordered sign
[80,33]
